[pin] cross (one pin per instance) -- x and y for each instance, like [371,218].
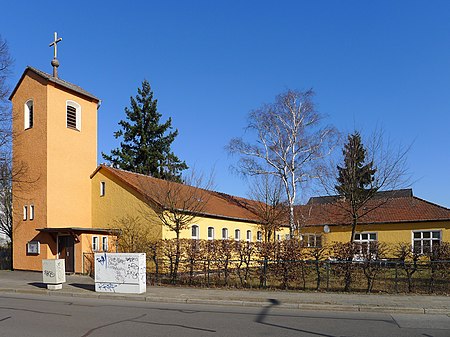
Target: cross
[55,41]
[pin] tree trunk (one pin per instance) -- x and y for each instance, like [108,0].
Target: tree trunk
[177,258]
[291,221]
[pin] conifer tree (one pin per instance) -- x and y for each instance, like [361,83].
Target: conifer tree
[355,178]
[145,146]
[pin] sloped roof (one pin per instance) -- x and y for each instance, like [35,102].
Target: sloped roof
[58,81]
[154,190]
[407,192]
[379,210]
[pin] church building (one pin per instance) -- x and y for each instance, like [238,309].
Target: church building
[65,206]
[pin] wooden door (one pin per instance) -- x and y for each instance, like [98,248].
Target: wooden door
[66,251]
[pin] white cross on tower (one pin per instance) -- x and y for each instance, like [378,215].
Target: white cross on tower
[55,62]
[55,47]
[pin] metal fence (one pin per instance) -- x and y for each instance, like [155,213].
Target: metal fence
[322,275]
[374,276]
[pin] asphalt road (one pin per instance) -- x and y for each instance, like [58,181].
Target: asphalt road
[36,315]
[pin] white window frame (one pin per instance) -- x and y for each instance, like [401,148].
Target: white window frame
[237,234]
[25,212]
[95,243]
[259,236]
[431,239]
[195,232]
[77,114]
[249,235]
[31,212]
[224,233]
[210,233]
[102,188]
[309,240]
[362,238]
[28,114]
[105,243]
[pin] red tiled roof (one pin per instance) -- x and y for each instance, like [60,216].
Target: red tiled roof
[153,190]
[393,210]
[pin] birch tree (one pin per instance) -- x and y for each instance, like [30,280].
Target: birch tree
[289,140]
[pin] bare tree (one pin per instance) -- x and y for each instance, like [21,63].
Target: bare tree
[6,220]
[368,179]
[179,205]
[135,234]
[6,217]
[408,259]
[269,206]
[289,141]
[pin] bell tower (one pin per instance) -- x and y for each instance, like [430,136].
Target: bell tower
[54,154]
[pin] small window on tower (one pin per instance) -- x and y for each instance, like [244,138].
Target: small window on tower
[25,212]
[31,212]
[28,115]
[102,188]
[73,114]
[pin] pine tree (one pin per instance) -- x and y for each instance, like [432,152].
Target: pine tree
[145,145]
[355,178]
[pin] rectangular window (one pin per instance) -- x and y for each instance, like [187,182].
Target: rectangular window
[424,241]
[31,212]
[237,234]
[95,243]
[312,240]
[25,212]
[224,233]
[249,236]
[259,236]
[102,188]
[195,232]
[363,241]
[210,233]
[105,243]
[71,117]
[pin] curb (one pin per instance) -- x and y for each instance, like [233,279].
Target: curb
[238,303]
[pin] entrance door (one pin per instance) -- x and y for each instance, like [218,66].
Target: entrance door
[66,252]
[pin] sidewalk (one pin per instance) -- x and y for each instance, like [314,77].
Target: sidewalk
[83,286]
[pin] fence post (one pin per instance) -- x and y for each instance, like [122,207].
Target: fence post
[396,277]
[327,263]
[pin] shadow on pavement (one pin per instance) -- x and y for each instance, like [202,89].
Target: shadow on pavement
[38,285]
[273,303]
[90,287]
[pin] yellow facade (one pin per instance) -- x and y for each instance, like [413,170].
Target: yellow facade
[121,201]
[71,198]
[388,233]
[54,163]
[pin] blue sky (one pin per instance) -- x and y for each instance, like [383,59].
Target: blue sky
[371,63]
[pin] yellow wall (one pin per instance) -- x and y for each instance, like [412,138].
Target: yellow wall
[120,201]
[55,164]
[71,158]
[387,233]
[218,224]
[29,153]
